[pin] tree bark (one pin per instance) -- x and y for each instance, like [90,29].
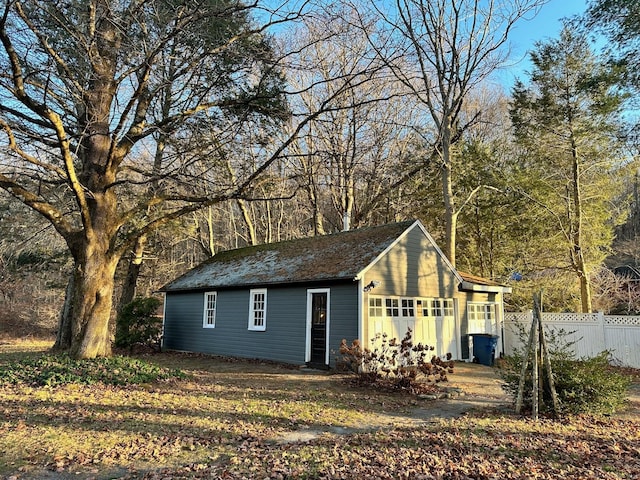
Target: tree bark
[577,255]
[64,334]
[92,301]
[312,192]
[450,214]
[133,272]
[211,243]
[248,222]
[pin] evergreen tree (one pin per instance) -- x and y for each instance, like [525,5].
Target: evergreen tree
[619,21]
[566,121]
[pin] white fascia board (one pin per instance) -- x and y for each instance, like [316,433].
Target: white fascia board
[476,287]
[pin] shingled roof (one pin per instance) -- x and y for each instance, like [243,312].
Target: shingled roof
[339,256]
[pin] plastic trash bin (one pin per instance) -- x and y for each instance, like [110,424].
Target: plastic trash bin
[484,348]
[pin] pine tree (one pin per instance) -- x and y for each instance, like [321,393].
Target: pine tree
[567,120]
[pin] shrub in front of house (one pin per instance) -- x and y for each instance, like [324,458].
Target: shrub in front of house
[138,324]
[583,385]
[395,365]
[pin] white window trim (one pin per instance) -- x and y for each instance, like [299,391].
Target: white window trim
[205,316]
[252,326]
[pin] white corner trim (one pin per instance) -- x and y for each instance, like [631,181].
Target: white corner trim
[164,318]
[361,310]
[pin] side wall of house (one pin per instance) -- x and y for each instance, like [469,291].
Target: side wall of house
[344,317]
[285,336]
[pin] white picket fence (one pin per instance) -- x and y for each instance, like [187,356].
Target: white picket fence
[592,332]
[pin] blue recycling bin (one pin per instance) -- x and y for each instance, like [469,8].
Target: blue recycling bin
[484,348]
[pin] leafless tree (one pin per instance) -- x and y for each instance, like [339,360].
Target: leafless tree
[348,159]
[440,50]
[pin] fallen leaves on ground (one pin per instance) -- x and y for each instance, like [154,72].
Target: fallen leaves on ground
[226,421]
[490,447]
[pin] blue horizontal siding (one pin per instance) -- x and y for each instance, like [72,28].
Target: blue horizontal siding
[283,340]
[344,317]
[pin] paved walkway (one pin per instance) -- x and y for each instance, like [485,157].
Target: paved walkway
[480,389]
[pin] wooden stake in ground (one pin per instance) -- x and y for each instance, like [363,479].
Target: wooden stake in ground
[525,364]
[555,404]
[538,351]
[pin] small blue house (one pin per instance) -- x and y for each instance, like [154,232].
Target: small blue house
[295,301]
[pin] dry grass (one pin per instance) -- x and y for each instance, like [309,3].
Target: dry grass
[199,419]
[226,419]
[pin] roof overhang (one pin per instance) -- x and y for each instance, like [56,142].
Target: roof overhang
[476,287]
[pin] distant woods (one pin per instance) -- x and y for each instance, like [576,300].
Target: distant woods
[139,138]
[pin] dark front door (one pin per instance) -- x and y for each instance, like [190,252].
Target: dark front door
[319,328]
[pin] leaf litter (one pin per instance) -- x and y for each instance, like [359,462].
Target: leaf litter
[225,421]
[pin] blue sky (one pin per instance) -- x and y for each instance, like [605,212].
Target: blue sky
[546,24]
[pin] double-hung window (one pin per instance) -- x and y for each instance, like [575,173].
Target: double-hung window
[258,310]
[209,317]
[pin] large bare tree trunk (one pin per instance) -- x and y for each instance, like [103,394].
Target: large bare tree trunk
[64,334]
[450,213]
[92,301]
[211,243]
[92,310]
[311,188]
[248,222]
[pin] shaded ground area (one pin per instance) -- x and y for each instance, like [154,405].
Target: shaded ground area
[243,419]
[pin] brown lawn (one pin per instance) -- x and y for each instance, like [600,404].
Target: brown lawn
[243,419]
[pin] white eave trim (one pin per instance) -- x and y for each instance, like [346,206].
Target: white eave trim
[418,224]
[476,287]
